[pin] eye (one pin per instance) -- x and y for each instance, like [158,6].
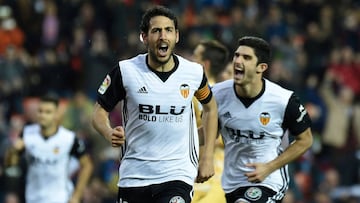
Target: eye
[155,30]
[169,29]
[247,57]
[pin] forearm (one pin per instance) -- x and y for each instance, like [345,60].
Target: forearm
[101,122]
[201,136]
[295,150]
[210,128]
[11,157]
[85,173]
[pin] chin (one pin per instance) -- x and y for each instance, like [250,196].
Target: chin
[163,60]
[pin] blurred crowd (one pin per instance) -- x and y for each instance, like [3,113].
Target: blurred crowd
[67,46]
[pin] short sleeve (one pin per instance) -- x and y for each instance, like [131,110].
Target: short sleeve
[111,90]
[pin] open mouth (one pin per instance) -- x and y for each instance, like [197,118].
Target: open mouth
[239,72]
[163,49]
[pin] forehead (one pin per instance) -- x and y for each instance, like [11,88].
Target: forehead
[245,50]
[161,22]
[47,105]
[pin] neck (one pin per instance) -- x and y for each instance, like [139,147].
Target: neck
[49,130]
[161,66]
[249,90]
[211,80]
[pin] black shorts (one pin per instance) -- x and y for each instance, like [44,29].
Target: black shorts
[252,194]
[168,192]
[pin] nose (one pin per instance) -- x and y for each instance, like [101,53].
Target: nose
[237,59]
[162,34]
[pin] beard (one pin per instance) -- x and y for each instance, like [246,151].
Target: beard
[159,60]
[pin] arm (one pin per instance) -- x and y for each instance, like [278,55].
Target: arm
[326,89]
[210,128]
[298,147]
[12,154]
[86,169]
[298,122]
[101,123]
[197,111]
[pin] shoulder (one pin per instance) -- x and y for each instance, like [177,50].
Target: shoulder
[191,65]
[275,90]
[219,88]
[31,128]
[136,60]
[66,132]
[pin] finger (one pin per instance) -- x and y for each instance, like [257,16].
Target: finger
[252,173]
[116,144]
[200,180]
[117,140]
[117,136]
[119,128]
[254,180]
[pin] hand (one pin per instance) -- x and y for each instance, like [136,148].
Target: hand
[259,174]
[74,199]
[19,144]
[205,171]
[117,136]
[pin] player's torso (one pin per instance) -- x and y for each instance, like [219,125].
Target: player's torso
[48,160]
[253,133]
[159,123]
[52,153]
[156,109]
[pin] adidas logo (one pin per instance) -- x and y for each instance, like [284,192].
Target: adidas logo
[142,90]
[227,115]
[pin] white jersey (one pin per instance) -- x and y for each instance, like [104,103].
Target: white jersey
[47,179]
[160,128]
[252,134]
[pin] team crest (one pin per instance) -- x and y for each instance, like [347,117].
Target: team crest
[264,118]
[56,150]
[184,90]
[104,85]
[253,193]
[177,199]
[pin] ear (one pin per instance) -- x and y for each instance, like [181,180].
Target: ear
[207,64]
[260,68]
[177,36]
[143,38]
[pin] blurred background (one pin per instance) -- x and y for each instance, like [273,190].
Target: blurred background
[67,46]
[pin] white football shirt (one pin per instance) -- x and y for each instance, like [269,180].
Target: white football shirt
[253,133]
[47,177]
[160,128]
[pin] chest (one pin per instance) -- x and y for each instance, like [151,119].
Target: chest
[262,117]
[147,91]
[46,151]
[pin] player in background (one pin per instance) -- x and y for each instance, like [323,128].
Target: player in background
[48,148]
[213,56]
[160,161]
[254,114]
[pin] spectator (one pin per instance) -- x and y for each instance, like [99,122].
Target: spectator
[10,33]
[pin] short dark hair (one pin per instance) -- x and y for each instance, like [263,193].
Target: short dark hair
[217,54]
[157,10]
[50,97]
[260,46]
